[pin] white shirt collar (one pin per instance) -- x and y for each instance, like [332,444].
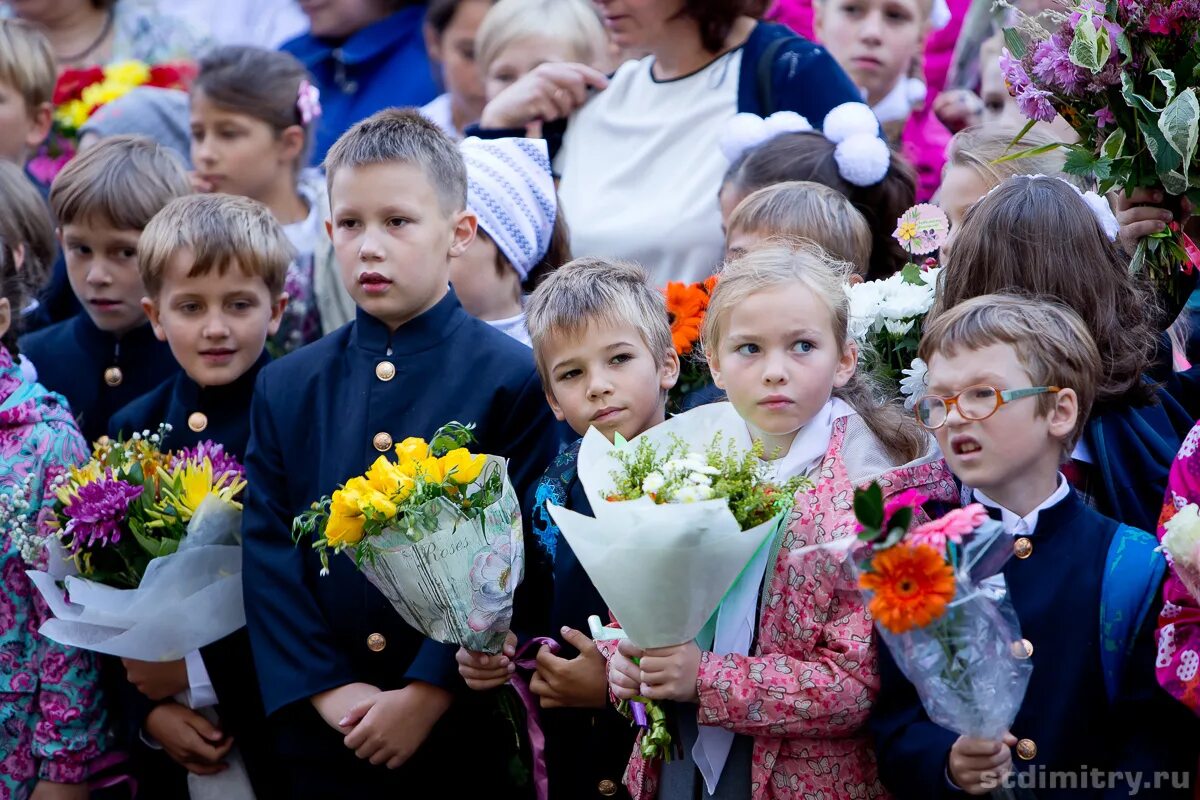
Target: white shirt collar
[1025,526]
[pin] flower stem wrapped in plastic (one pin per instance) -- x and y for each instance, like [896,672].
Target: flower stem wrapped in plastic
[437,532]
[943,608]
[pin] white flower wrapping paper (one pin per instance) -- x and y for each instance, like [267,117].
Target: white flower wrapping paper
[456,584]
[662,569]
[185,601]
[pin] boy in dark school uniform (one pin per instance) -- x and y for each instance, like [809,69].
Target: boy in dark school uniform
[214,273]
[1011,380]
[214,268]
[363,702]
[602,342]
[105,356]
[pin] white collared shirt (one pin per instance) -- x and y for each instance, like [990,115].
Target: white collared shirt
[1025,526]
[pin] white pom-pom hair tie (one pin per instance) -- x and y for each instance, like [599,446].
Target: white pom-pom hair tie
[745,131]
[862,158]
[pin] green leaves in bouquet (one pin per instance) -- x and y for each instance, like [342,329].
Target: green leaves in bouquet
[869,510]
[752,498]
[1090,48]
[451,436]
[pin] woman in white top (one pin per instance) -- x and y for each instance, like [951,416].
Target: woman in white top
[639,162]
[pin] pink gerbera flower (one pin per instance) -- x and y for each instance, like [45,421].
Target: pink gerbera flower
[950,528]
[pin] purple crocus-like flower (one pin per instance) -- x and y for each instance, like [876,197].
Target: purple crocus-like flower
[222,463]
[97,511]
[1104,117]
[1035,104]
[1014,74]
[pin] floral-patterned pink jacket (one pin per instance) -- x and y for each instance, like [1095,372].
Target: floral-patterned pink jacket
[805,693]
[51,720]
[1178,661]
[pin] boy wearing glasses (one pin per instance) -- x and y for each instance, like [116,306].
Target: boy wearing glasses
[1011,381]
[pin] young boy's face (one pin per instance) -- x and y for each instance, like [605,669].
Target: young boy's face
[393,240]
[216,325]
[22,128]
[605,376]
[334,19]
[1014,445]
[103,271]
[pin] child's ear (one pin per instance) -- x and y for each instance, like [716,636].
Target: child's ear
[554,406]
[18,254]
[433,43]
[151,309]
[42,119]
[277,313]
[292,142]
[714,369]
[329,229]
[465,225]
[5,316]
[668,371]
[846,365]
[1064,414]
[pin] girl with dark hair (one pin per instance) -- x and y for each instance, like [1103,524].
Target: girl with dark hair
[1044,236]
[450,30]
[639,163]
[253,117]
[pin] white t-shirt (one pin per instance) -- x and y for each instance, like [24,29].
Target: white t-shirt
[641,169]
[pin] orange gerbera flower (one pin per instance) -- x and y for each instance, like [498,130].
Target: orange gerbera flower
[912,585]
[685,308]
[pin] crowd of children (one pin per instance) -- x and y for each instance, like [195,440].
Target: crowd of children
[339,258]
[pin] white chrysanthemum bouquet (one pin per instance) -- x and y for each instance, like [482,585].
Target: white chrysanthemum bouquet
[1181,543]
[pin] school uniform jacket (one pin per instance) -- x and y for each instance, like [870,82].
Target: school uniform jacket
[321,416]
[1067,722]
[77,360]
[219,414]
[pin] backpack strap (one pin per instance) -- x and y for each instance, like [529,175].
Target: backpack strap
[766,76]
[1133,575]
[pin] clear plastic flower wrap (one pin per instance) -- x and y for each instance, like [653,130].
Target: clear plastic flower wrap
[941,604]
[453,577]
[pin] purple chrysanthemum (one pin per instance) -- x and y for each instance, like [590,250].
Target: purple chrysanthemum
[96,512]
[1052,65]
[222,463]
[1035,104]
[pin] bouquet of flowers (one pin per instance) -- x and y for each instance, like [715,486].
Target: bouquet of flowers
[146,539]
[684,518]
[942,606]
[1181,543]
[886,315]
[1121,74]
[687,305]
[437,531]
[80,92]
[146,562]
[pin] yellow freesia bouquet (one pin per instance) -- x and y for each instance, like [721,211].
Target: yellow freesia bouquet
[437,531]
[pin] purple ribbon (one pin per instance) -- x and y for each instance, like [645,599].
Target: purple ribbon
[537,739]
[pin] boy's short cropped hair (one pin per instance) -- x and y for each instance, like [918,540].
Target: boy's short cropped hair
[218,230]
[404,136]
[27,63]
[588,290]
[122,180]
[810,211]
[1050,339]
